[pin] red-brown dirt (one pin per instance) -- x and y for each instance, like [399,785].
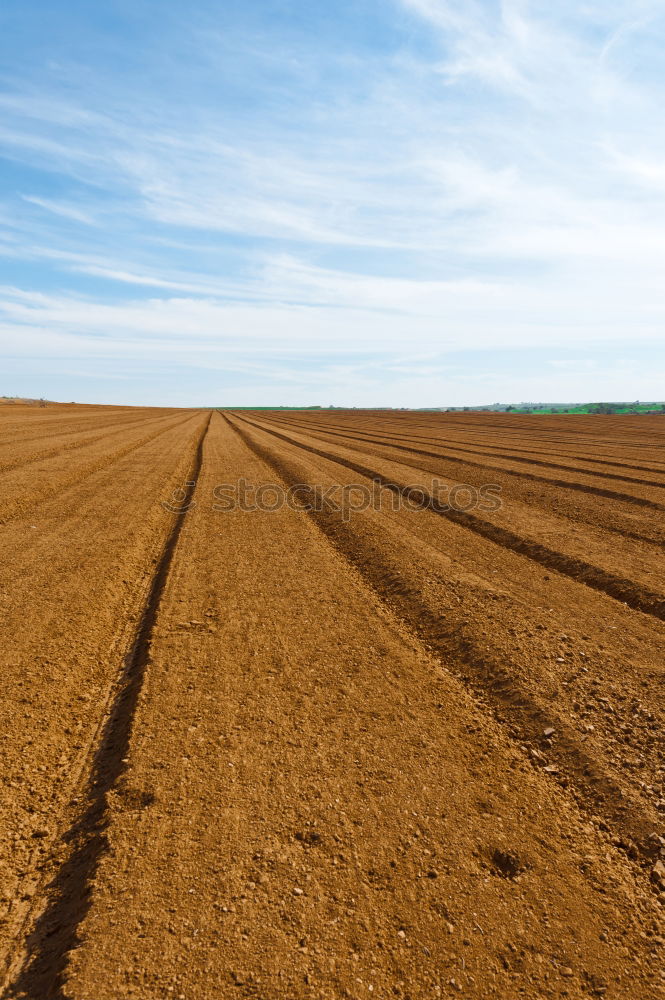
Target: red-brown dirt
[405,751]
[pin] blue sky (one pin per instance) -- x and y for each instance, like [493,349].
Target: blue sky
[372,202]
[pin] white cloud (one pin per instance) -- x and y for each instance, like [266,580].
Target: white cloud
[61,208]
[496,188]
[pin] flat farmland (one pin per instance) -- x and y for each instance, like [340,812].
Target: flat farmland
[331,704]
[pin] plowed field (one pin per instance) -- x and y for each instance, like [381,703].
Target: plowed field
[331,705]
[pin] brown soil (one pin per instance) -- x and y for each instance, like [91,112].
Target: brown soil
[408,753]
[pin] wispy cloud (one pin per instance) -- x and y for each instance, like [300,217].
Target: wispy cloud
[449,174]
[61,209]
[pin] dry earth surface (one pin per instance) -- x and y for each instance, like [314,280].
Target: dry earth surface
[407,748]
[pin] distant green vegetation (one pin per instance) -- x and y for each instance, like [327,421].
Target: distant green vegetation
[605,408]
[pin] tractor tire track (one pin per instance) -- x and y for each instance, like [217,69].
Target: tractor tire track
[35,970]
[526,718]
[21,505]
[560,483]
[635,596]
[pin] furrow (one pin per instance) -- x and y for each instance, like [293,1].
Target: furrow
[35,970]
[630,593]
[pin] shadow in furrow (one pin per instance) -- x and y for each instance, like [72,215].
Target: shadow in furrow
[56,931]
[525,716]
[565,484]
[627,591]
[388,441]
